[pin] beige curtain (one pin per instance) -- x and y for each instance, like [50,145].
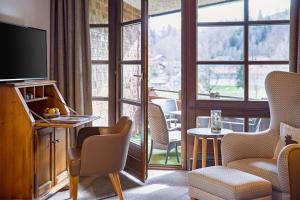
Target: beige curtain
[295,36]
[70,61]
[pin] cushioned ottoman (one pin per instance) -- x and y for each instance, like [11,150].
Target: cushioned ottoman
[218,182]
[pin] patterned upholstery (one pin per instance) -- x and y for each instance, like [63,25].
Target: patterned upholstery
[158,125]
[265,168]
[161,137]
[225,183]
[283,90]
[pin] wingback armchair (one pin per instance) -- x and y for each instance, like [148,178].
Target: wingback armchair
[254,152]
[100,151]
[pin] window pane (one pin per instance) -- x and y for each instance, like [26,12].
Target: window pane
[162,6]
[98,11]
[257,76]
[229,11]
[165,54]
[131,42]
[131,10]
[99,43]
[270,42]
[233,123]
[220,82]
[269,9]
[134,112]
[100,108]
[228,47]
[131,82]
[100,80]
[258,124]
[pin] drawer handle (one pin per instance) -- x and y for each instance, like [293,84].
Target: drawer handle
[54,141]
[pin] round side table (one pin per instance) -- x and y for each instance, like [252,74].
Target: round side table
[204,134]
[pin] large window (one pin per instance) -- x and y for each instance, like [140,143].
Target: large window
[239,43]
[98,16]
[131,66]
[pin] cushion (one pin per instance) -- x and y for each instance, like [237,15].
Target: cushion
[264,168]
[288,135]
[229,183]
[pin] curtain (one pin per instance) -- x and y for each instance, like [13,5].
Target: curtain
[295,36]
[70,60]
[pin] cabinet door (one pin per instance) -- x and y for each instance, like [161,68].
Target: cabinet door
[43,161]
[60,155]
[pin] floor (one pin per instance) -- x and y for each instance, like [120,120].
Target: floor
[161,184]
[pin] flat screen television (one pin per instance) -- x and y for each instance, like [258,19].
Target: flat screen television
[23,53]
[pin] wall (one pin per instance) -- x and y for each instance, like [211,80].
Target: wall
[33,13]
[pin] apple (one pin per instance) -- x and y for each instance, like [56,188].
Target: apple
[51,111]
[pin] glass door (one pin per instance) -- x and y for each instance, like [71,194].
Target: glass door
[132,81]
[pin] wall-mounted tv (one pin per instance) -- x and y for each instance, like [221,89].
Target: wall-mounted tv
[23,53]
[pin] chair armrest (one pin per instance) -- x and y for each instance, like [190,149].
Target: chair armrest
[85,133]
[285,172]
[236,146]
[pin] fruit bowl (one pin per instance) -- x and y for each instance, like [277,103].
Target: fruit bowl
[50,115]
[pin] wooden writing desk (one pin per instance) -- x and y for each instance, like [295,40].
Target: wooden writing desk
[33,153]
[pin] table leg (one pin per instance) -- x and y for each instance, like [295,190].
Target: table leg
[216,151]
[204,152]
[195,152]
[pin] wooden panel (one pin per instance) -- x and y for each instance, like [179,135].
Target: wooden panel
[44,148]
[16,147]
[60,153]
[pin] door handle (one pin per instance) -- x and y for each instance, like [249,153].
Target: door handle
[138,75]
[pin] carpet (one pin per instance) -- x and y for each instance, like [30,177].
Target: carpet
[96,187]
[161,185]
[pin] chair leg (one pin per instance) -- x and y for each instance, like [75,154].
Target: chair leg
[73,187]
[176,148]
[115,180]
[151,150]
[167,155]
[70,186]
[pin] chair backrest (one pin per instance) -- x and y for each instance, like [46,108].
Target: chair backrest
[167,105]
[283,91]
[106,153]
[158,125]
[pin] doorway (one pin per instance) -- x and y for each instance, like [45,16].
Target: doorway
[164,84]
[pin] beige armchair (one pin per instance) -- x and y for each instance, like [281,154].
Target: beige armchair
[254,152]
[100,151]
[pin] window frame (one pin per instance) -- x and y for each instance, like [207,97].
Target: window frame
[201,107]
[109,62]
[246,23]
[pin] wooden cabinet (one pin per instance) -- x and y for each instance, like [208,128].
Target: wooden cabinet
[33,160]
[44,161]
[51,161]
[60,155]
[33,151]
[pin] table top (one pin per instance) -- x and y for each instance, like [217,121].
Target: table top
[176,112]
[206,132]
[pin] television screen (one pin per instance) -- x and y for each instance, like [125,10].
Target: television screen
[23,53]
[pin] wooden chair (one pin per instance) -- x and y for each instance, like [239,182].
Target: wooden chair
[101,151]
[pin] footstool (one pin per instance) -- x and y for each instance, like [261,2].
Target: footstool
[218,182]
